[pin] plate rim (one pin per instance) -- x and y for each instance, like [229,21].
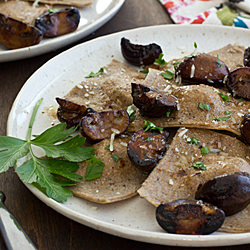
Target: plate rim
[122,231]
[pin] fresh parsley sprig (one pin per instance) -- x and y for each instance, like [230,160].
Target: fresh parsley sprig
[49,174]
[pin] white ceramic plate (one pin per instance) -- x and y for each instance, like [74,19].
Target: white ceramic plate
[92,18]
[134,218]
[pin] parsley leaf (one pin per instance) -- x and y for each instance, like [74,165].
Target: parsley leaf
[49,175]
[225,98]
[115,157]
[219,62]
[199,165]
[168,75]
[168,114]
[149,126]
[204,106]
[176,64]
[160,60]
[131,113]
[70,149]
[222,118]
[145,71]
[241,100]
[193,140]
[11,149]
[53,10]
[205,150]
[94,169]
[194,52]
[92,74]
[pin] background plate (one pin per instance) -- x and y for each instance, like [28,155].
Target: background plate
[92,18]
[134,218]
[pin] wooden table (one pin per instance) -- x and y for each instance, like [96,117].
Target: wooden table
[47,228]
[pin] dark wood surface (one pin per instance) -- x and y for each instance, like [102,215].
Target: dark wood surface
[47,228]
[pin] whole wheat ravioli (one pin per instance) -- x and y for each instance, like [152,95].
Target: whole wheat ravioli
[120,178]
[175,178]
[22,11]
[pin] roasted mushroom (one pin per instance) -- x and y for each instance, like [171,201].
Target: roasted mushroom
[245,127]
[187,216]
[71,113]
[15,34]
[58,23]
[138,54]
[238,82]
[146,148]
[246,60]
[202,68]
[231,192]
[151,102]
[98,126]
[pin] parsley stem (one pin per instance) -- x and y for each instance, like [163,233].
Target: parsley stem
[32,119]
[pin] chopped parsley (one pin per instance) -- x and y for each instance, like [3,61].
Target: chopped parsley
[149,126]
[225,98]
[149,139]
[168,113]
[168,75]
[176,64]
[219,64]
[92,74]
[193,140]
[241,100]
[227,112]
[145,71]
[194,52]
[204,106]
[205,150]
[199,165]
[160,60]
[131,113]
[115,157]
[222,118]
[53,10]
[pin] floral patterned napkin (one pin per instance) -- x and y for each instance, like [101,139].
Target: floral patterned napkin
[219,12]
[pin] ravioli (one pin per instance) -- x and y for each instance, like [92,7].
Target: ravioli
[120,178]
[22,11]
[175,177]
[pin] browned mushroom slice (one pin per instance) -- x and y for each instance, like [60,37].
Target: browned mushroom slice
[151,102]
[15,34]
[58,23]
[231,192]
[187,216]
[146,148]
[138,54]
[98,126]
[246,60]
[203,68]
[71,112]
[238,82]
